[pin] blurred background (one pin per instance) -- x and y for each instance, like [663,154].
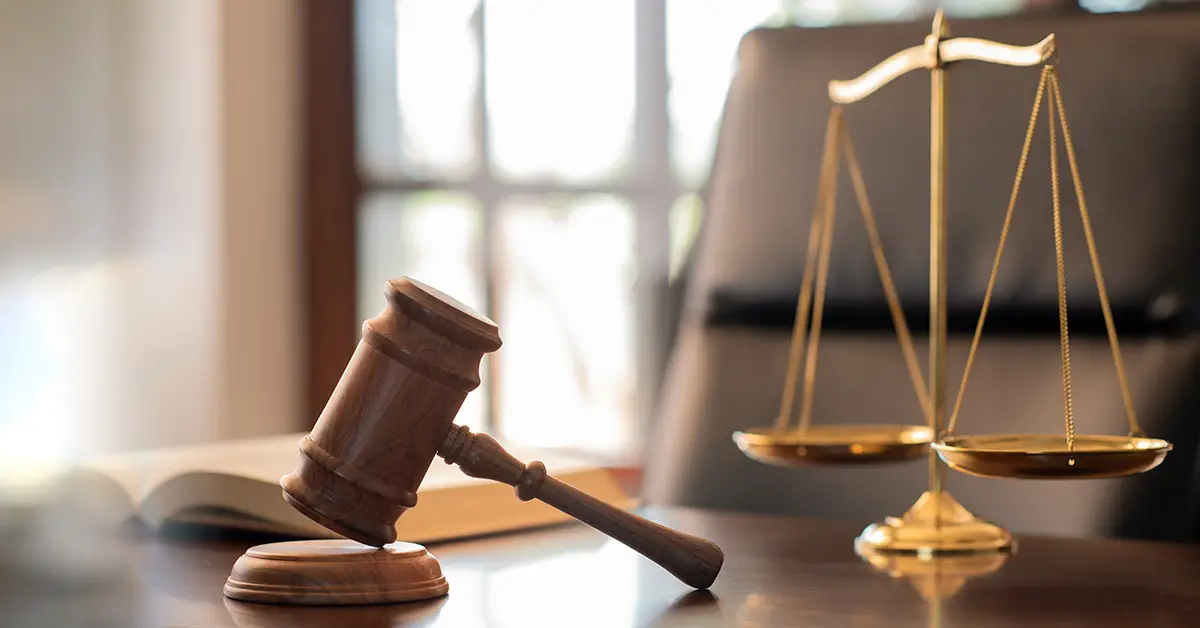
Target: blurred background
[200,201]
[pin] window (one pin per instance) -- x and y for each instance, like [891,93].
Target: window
[541,160]
[527,157]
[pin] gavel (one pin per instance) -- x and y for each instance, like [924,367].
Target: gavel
[392,412]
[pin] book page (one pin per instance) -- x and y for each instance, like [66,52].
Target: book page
[263,459]
[234,482]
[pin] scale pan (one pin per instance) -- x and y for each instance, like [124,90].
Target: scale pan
[1045,456]
[835,444]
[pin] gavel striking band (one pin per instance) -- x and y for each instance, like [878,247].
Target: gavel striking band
[393,411]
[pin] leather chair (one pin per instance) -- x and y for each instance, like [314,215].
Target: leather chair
[1131,86]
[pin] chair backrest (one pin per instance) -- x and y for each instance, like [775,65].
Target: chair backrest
[1131,86]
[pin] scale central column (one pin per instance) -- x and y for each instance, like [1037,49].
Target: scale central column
[936,523]
[937,269]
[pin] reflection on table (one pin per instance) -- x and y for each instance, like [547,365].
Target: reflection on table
[779,571]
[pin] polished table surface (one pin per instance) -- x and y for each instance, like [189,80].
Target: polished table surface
[779,571]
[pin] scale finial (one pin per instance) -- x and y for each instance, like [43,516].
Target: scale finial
[940,28]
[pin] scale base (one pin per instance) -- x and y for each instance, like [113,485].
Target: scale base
[935,524]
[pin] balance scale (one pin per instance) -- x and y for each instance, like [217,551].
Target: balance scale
[937,524]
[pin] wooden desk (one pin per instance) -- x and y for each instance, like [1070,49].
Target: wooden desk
[779,572]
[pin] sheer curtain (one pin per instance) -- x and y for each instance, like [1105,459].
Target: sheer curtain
[148,282]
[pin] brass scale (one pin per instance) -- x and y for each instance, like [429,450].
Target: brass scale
[937,525]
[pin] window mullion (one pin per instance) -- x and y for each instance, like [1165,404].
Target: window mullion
[656,191]
[484,188]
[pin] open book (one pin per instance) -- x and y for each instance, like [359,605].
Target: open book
[235,484]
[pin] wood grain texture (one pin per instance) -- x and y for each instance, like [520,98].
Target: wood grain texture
[779,571]
[335,572]
[695,561]
[393,411]
[380,430]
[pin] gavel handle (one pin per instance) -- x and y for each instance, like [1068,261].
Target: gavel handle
[693,560]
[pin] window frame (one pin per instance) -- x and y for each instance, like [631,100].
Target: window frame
[330,193]
[335,184]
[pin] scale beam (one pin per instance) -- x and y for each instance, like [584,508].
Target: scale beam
[935,53]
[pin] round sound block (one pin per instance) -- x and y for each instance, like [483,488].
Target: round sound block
[335,573]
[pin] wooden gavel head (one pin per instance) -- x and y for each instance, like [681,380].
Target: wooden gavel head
[392,409]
